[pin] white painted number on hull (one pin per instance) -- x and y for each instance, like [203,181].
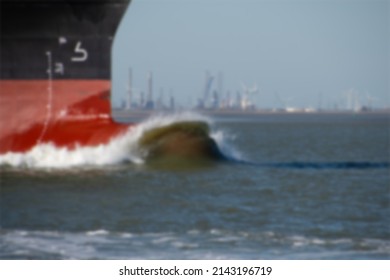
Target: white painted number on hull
[59,68]
[82,54]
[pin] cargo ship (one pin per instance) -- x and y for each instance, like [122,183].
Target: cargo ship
[55,61]
[55,82]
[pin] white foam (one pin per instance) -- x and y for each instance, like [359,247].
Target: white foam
[49,156]
[97,232]
[123,148]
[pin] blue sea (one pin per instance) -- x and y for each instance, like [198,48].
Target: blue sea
[293,186]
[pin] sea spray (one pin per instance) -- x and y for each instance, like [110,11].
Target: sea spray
[224,140]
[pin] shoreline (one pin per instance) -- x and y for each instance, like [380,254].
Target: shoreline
[141,113]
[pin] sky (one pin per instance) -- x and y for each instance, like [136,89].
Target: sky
[300,53]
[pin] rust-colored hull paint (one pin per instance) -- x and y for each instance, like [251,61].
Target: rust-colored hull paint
[67,113]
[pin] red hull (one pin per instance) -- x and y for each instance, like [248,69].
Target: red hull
[67,113]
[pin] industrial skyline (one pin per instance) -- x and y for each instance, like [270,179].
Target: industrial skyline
[212,96]
[301,54]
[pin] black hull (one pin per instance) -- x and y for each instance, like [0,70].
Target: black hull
[77,35]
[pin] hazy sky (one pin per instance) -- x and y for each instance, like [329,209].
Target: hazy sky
[300,53]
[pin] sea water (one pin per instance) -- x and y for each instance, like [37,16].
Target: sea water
[294,187]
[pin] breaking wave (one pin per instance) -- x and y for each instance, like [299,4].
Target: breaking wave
[191,244]
[122,149]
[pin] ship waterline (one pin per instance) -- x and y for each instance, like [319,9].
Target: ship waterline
[55,82]
[64,112]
